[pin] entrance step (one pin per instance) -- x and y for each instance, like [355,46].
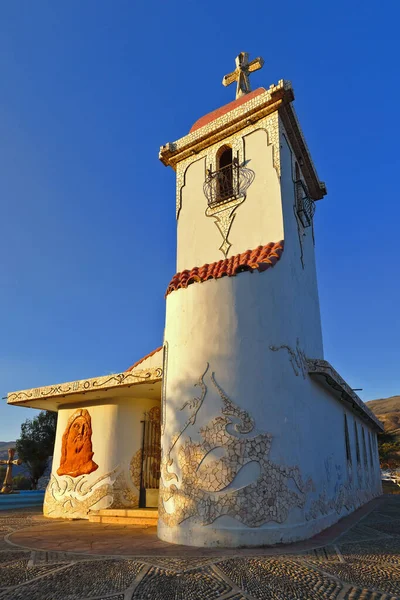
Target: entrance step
[141,517]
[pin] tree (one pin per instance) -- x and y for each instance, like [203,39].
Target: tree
[36,443]
[20,482]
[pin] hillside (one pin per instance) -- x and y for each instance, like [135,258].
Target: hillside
[388,411]
[4,446]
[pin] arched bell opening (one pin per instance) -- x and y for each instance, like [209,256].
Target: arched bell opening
[224,173]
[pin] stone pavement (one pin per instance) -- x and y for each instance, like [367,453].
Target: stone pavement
[359,559]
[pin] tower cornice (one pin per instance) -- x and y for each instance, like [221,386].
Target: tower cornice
[238,115]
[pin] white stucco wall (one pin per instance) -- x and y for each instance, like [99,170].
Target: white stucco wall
[300,254]
[116,437]
[224,323]
[151,362]
[236,356]
[257,221]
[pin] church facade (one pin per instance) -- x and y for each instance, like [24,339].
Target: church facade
[237,428]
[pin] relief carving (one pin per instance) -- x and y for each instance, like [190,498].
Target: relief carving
[346,496]
[297,358]
[75,497]
[76,448]
[203,487]
[71,497]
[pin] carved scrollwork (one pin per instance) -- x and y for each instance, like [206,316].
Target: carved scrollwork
[205,490]
[297,357]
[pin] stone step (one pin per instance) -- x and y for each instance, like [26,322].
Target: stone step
[141,517]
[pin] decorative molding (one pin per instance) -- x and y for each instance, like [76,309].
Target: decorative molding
[297,358]
[205,489]
[270,124]
[87,385]
[164,388]
[251,112]
[224,215]
[181,169]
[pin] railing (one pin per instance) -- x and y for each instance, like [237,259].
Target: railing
[305,206]
[227,183]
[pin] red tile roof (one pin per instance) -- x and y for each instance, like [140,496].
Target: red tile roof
[209,117]
[261,258]
[136,364]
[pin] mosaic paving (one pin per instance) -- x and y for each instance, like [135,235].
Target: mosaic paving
[362,564]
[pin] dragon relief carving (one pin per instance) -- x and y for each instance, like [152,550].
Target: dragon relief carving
[205,488]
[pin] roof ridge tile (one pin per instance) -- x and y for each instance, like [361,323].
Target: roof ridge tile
[260,258]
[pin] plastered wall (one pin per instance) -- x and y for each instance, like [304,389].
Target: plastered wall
[257,220]
[116,440]
[221,337]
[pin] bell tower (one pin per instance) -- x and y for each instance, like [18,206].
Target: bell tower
[245,288]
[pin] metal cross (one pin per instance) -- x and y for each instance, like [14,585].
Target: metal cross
[7,485]
[242,72]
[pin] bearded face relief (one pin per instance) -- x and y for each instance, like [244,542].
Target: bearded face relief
[76,449]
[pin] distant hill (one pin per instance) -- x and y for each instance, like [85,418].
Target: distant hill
[4,446]
[388,411]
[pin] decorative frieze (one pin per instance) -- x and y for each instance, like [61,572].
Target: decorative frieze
[87,385]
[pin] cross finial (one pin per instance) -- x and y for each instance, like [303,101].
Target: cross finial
[242,72]
[7,485]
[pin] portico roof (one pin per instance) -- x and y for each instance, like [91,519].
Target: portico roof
[323,372]
[138,383]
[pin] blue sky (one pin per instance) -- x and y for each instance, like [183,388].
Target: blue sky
[90,90]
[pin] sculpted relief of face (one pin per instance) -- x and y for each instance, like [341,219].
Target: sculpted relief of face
[76,448]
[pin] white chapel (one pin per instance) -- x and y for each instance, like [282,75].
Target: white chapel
[237,431]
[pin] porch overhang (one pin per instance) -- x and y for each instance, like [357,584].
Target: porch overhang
[323,372]
[140,383]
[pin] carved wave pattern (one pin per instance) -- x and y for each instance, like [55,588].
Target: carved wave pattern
[205,486]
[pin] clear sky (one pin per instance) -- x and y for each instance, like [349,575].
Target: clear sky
[90,90]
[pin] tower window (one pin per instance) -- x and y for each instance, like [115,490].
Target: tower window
[229,181]
[225,175]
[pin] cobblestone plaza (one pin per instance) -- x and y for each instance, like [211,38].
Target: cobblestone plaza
[52,560]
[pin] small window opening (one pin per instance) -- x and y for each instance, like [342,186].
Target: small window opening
[225,174]
[357,443]
[347,440]
[371,456]
[364,448]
